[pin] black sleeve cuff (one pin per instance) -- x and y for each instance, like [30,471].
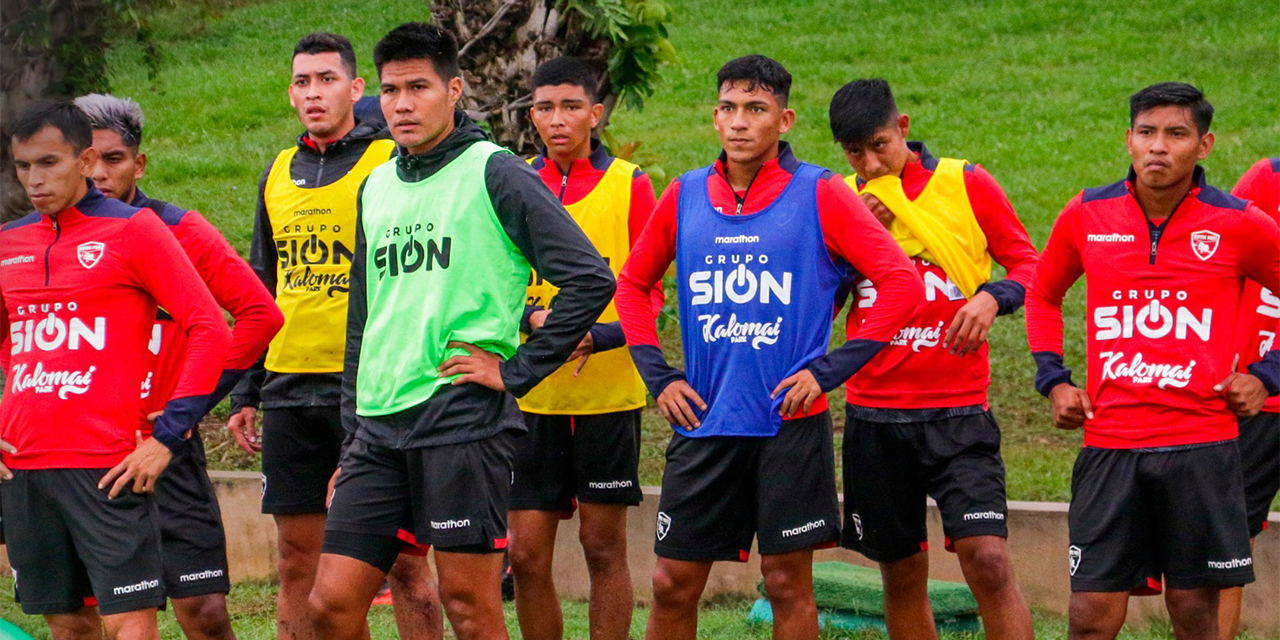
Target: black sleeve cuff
[1268,371]
[525,326]
[1009,295]
[1050,372]
[831,370]
[607,336]
[653,368]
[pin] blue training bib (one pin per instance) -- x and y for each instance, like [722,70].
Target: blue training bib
[756,294]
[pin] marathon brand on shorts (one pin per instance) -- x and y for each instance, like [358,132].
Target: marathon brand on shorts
[750,287]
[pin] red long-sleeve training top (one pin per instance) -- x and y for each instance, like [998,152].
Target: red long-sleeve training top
[1261,307]
[1163,301]
[235,287]
[79,291]
[844,219]
[915,371]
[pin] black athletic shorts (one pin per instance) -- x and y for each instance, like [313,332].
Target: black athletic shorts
[719,492]
[564,459]
[1138,516]
[1260,461]
[191,535]
[69,544]
[453,497]
[300,450]
[890,468]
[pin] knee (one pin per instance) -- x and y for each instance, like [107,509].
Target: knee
[82,625]
[203,616]
[328,611]
[411,581]
[672,590]
[529,560]
[603,550]
[989,570]
[296,563]
[786,587]
[1089,618]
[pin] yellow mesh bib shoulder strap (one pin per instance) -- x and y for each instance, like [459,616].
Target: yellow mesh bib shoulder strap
[609,381]
[939,225]
[314,232]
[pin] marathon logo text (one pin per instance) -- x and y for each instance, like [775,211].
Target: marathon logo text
[804,528]
[134,588]
[451,524]
[201,575]
[984,515]
[1234,563]
[612,484]
[1110,237]
[17,260]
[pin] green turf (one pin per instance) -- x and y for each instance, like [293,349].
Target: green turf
[252,608]
[1036,92]
[840,586]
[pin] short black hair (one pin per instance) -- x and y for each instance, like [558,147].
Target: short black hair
[417,41]
[60,114]
[1178,94]
[861,108]
[567,70]
[757,71]
[322,42]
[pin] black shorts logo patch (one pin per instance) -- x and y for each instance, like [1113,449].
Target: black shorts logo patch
[1073,554]
[664,525]
[857,524]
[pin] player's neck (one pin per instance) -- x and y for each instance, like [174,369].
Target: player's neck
[1160,203]
[323,142]
[565,159]
[740,174]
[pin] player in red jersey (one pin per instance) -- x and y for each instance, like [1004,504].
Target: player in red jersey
[195,555]
[80,280]
[1260,434]
[1156,500]
[918,421]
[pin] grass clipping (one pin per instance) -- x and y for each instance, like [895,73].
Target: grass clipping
[850,588]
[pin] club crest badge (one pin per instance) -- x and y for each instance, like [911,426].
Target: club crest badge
[664,525]
[1074,555]
[1204,244]
[90,253]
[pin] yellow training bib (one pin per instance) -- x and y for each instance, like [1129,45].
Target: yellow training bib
[609,381]
[315,235]
[939,225]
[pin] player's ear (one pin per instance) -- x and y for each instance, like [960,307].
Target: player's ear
[88,158]
[904,124]
[357,89]
[597,114]
[788,120]
[455,90]
[1206,146]
[140,167]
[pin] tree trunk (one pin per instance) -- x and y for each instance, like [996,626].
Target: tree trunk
[501,43]
[42,56]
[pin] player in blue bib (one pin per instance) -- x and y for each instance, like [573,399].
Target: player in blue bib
[761,241]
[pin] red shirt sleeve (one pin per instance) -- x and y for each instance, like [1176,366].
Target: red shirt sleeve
[1258,241]
[642,205]
[651,254]
[1007,239]
[235,287]
[852,232]
[1261,185]
[162,269]
[1059,267]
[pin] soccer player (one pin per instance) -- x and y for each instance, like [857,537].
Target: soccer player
[761,240]
[80,280]
[583,445]
[446,236]
[1259,435]
[195,551]
[303,241]
[917,417]
[1156,492]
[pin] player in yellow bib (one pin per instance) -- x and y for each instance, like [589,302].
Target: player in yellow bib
[303,241]
[583,446]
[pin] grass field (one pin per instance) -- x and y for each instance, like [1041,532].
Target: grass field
[1036,92]
[252,608]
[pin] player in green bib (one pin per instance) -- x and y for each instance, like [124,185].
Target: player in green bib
[446,237]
